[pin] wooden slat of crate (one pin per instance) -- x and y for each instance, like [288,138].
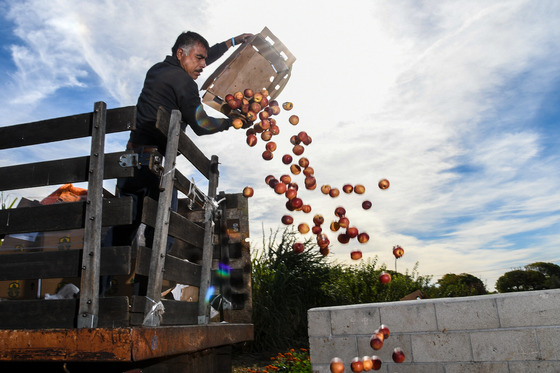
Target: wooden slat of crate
[65,128]
[59,313]
[31,265]
[176,312]
[176,269]
[179,227]
[63,171]
[62,216]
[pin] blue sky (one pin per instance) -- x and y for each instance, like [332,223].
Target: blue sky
[456,103]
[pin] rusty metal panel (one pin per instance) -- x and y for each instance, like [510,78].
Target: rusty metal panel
[66,345]
[151,343]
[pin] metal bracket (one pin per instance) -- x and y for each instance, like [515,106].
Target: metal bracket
[151,160]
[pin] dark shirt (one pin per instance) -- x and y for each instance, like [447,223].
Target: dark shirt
[168,85]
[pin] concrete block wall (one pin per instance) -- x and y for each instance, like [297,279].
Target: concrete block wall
[503,333]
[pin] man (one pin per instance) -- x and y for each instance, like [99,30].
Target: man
[170,84]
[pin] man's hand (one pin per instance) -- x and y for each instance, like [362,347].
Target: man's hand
[236,116]
[239,39]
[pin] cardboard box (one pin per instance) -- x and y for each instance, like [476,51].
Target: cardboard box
[262,62]
[19,289]
[22,241]
[72,239]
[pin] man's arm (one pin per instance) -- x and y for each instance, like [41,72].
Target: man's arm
[217,50]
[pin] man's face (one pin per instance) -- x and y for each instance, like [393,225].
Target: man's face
[194,62]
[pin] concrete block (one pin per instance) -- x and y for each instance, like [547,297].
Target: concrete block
[409,316]
[318,323]
[415,368]
[549,342]
[467,313]
[534,366]
[399,340]
[323,349]
[504,345]
[530,308]
[433,347]
[501,367]
[355,320]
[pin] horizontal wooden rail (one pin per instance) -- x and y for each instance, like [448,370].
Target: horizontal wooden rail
[65,128]
[62,216]
[176,269]
[62,171]
[53,264]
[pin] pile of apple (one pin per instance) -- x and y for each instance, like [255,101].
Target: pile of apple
[367,363]
[259,113]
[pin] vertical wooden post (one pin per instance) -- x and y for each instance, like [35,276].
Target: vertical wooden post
[208,245]
[161,229]
[89,290]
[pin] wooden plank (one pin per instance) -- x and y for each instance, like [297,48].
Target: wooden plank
[113,344]
[52,264]
[179,226]
[62,216]
[88,313]
[208,246]
[176,312]
[65,128]
[186,146]
[60,313]
[161,228]
[62,171]
[190,190]
[176,269]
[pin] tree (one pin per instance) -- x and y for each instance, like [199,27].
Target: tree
[462,285]
[520,280]
[550,270]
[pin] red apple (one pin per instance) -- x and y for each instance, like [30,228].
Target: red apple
[322,240]
[310,182]
[274,129]
[291,193]
[302,136]
[267,155]
[248,192]
[303,228]
[294,119]
[237,123]
[228,97]
[266,135]
[268,179]
[334,192]
[273,103]
[280,188]
[298,247]
[303,162]
[352,232]
[287,219]
[295,169]
[287,106]
[343,222]
[356,255]
[318,219]
[324,251]
[363,237]
[343,238]
[384,277]
[294,140]
[376,362]
[255,107]
[306,209]
[356,365]
[251,116]
[286,179]
[252,140]
[238,95]
[265,123]
[298,149]
[368,363]
[316,229]
[257,97]
[398,251]
[248,92]
[385,330]
[340,211]
[271,146]
[347,188]
[383,184]
[308,171]
[366,205]
[359,189]
[287,159]
[264,101]
[398,355]
[337,366]
[296,202]
[275,110]
[326,189]
[334,226]
[376,340]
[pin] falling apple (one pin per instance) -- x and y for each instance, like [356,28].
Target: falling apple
[376,340]
[340,211]
[325,189]
[366,205]
[334,192]
[385,330]
[398,251]
[368,363]
[376,362]
[337,366]
[248,192]
[298,247]
[318,219]
[303,228]
[287,219]
[398,355]
[359,189]
[384,277]
[347,188]
[287,106]
[356,365]
[363,237]
[383,184]
[356,255]
[294,120]
[237,123]
[252,140]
